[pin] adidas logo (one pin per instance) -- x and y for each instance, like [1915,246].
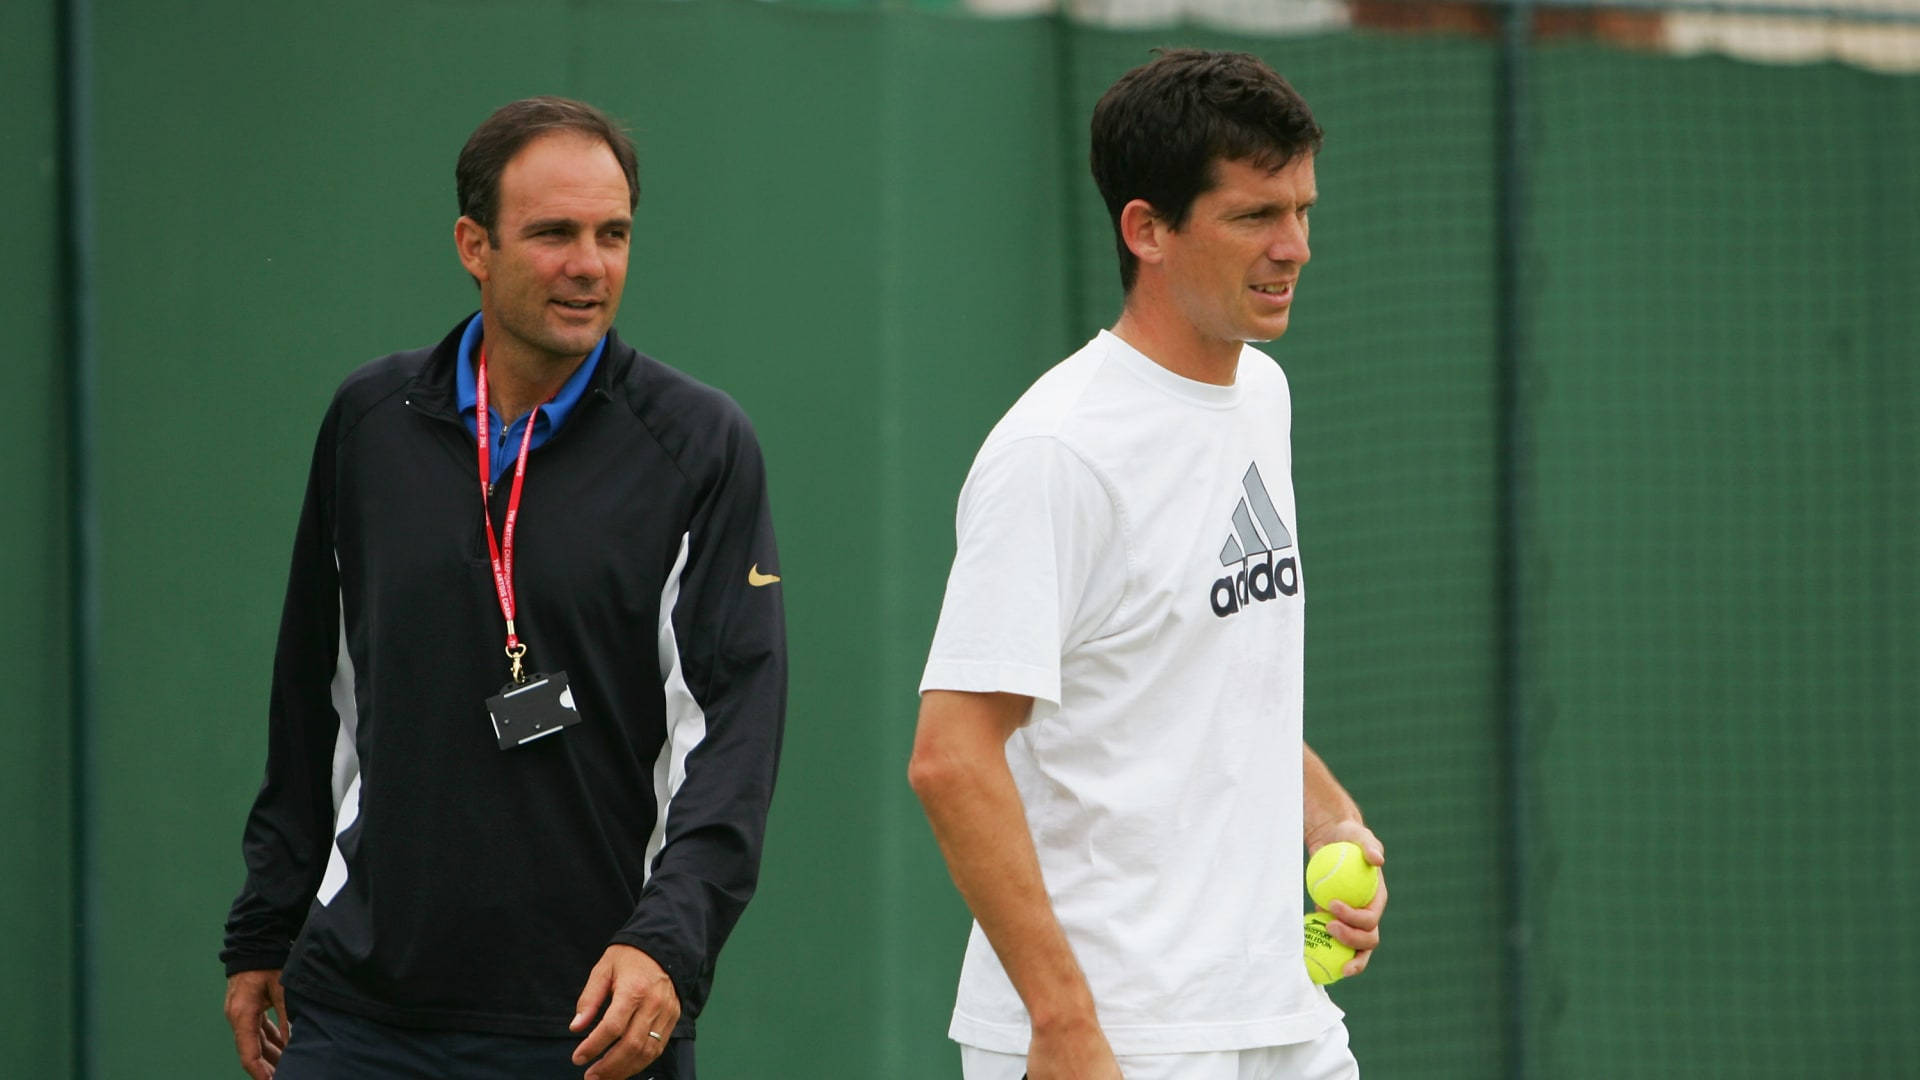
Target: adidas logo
[1258,535]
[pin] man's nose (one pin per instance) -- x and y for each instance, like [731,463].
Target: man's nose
[586,260]
[1289,243]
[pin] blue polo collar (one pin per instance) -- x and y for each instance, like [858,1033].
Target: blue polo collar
[553,413]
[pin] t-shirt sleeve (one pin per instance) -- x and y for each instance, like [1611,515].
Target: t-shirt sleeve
[1036,569]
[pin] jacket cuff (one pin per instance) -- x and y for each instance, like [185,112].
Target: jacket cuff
[237,961]
[679,967]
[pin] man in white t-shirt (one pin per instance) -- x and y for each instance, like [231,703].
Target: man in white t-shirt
[1109,745]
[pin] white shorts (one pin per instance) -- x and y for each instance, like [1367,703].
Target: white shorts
[1325,1058]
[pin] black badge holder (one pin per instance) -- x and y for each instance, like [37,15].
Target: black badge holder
[534,709]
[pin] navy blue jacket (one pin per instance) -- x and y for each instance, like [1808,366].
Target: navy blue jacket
[473,888]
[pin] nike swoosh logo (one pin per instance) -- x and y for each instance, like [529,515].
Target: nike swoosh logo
[756,579]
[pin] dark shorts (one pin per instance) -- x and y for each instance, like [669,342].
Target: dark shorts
[331,1045]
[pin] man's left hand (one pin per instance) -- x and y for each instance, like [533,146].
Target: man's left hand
[641,1009]
[1358,928]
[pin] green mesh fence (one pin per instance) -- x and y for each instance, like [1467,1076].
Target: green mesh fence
[1724,265]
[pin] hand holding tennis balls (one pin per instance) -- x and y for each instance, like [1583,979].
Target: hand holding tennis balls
[1340,871]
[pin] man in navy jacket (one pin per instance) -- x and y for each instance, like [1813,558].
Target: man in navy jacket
[530,679]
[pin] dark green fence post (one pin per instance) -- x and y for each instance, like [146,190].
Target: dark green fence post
[76,326]
[1512,447]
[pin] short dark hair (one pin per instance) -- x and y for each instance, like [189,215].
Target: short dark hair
[1160,131]
[476,176]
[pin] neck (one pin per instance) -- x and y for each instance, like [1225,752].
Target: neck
[517,380]
[1164,337]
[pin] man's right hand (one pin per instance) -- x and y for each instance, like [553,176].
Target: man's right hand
[1071,1052]
[258,1037]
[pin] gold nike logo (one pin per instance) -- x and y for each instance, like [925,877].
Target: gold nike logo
[756,579]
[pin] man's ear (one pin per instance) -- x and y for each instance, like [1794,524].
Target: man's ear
[1143,230]
[474,247]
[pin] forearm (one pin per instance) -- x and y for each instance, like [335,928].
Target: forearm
[289,830]
[1331,815]
[683,919]
[707,863]
[1327,804]
[960,774]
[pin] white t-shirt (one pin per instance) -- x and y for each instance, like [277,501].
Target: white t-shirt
[1127,557]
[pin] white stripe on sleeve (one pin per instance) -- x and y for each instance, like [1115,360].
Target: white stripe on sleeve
[686,720]
[346,765]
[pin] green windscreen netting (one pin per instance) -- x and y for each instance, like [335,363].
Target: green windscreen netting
[1607,438]
[1725,274]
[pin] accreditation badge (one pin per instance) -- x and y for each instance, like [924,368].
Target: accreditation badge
[535,709]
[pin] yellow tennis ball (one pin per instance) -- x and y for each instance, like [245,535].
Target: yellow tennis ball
[1326,955]
[1340,871]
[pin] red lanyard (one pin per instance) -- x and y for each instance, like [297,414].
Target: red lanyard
[501,549]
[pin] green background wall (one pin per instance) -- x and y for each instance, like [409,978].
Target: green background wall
[1727,474]
[873,229]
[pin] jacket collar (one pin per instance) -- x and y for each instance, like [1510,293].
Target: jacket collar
[435,390]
